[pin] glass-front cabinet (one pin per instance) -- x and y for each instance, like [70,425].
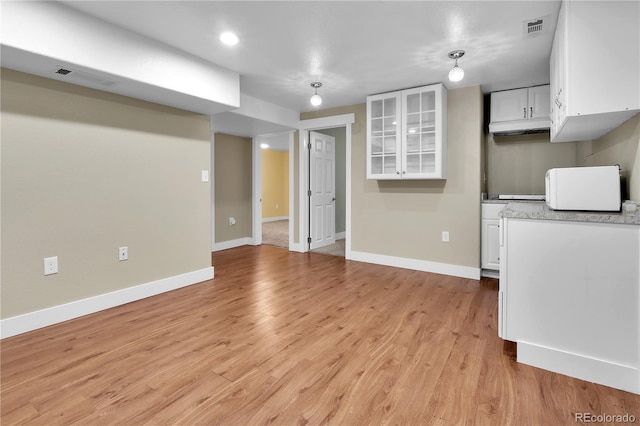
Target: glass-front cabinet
[406,134]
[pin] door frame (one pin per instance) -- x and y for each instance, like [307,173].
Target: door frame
[305,126]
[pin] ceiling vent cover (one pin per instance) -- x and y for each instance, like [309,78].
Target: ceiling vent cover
[80,77]
[534,27]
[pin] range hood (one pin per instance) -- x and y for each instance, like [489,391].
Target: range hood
[519,127]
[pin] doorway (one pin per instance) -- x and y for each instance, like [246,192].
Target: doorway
[322,124]
[272,183]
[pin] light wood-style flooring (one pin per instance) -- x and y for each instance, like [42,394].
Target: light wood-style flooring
[288,338]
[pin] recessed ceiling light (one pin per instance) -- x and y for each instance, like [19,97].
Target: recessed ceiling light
[264,145]
[229,38]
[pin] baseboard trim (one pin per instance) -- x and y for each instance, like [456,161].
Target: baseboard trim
[297,247]
[274,219]
[224,245]
[489,273]
[582,367]
[417,265]
[57,314]
[341,235]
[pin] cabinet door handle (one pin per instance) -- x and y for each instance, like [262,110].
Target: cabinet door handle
[397,172]
[524,112]
[404,172]
[531,116]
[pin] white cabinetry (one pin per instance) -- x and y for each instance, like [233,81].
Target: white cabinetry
[570,297]
[491,237]
[520,110]
[594,73]
[406,134]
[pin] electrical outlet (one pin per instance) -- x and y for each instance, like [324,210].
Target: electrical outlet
[232,221]
[123,253]
[51,265]
[205,176]
[445,236]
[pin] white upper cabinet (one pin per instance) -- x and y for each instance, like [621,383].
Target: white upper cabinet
[594,69]
[406,134]
[520,110]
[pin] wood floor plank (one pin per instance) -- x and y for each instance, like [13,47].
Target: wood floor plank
[288,338]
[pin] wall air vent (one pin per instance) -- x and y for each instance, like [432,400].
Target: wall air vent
[534,27]
[80,77]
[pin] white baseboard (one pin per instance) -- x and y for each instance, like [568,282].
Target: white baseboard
[341,235]
[490,273]
[417,265]
[224,245]
[581,367]
[274,219]
[56,314]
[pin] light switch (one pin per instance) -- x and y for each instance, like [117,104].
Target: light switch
[205,176]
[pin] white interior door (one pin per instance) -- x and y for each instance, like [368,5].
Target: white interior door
[322,185]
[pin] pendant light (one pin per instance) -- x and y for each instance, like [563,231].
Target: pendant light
[456,73]
[316,100]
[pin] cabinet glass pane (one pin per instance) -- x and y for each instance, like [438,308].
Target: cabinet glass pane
[413,103]
[390,164]
[413,163]
[428,101]
[390,126]
[428,142]
[376,109]
[413,142]
[376,145]
[376,126]
[389,145]
[390,107]
[413,123]
[376,165]
[428,122]
[428,163]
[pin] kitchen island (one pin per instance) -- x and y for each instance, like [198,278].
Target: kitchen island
[570,291]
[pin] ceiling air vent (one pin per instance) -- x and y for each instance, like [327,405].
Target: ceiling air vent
[534,27]
[80,77]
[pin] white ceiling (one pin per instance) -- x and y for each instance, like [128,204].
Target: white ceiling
[353,48]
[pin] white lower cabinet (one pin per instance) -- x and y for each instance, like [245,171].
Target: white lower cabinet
[490,253]
[570,297]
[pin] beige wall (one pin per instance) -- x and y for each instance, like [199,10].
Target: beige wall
[517,164]
[405,219]
[85,172]
[232,187]
[275,183]
[619,146]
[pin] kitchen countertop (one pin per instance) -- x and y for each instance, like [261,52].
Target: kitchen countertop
[540,211]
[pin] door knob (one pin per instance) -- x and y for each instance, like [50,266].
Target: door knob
[333,199]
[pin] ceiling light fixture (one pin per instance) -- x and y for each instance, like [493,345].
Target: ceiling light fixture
[316,100]
[456,73]
[229,38]
[264,145]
